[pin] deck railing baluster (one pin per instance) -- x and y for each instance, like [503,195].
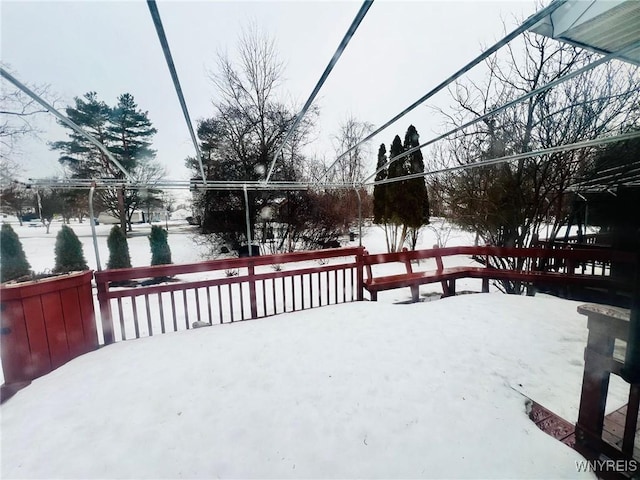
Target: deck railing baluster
[198,316]
[186,308]
[161,310]
[220,304]
[173,311]
[209,306]
[121,318]
[148,309]
[135,315]
[230,301]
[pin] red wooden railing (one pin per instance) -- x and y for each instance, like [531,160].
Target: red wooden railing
[221,291]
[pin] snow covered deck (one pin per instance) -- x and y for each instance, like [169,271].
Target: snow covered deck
[358,390]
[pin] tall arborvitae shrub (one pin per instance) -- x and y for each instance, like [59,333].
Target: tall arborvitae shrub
[379,191]
[118,249]
[69,254]
[415,189]
[160,251]
[395,197]
[13,262]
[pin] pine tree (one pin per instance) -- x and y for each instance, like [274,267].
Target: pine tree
[126,132]
[13,262]
[415,189]
[83,158]
[379,191]
[130,132]
[68,251]
[118,249]
[160,251]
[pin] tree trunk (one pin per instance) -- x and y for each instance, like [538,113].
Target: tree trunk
[121,212]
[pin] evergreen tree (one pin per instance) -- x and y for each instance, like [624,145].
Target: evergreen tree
[395,197]
[130,132]
[379,191]
[83,158]
[68,250]
[126,132]
[118,249]
[160,251]
[13,262]
[415,189]
[402,206]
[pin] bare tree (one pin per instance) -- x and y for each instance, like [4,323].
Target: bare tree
[350,168]
[506,204]
[18,119]
[247,130]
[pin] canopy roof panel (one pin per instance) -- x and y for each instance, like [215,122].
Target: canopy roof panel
[602,26]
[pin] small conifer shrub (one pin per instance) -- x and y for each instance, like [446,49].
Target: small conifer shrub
[118,249]
[160,251]
[13,262]
[68,251]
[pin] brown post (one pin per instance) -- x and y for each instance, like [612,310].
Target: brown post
[360,274]
[440,267]
[105,312]
[631,420]
[252,288]
[595,381]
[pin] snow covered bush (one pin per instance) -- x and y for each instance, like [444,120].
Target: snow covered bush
[160,251]
[13,262]
[118,249]
[68,252]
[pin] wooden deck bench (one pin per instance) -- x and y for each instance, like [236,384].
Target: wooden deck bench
[536,274]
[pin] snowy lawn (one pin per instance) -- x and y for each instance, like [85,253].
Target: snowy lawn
[363,390]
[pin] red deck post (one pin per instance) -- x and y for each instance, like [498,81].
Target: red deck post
[105,310]
[252,289]
[360,274]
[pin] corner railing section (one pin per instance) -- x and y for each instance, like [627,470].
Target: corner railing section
[608,330]
[143,301]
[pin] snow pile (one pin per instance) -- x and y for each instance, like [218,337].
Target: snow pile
[363,390]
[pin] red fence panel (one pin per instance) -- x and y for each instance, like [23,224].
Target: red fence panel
[221,291]
[46,323]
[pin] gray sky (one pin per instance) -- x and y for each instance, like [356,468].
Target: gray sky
[401,50]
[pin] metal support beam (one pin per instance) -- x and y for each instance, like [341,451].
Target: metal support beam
[359,216]
[529,22]
[248,220]
[510,104]
[157,21]
[343,45]
[92,222]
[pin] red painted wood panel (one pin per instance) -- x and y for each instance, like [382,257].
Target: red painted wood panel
[16,357]
[37,333]
[73,321]
[56,331]
[46,323]
[85,296]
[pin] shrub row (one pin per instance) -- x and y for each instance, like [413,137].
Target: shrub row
[69,255]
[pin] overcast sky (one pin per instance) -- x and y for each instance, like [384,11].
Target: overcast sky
[401,50]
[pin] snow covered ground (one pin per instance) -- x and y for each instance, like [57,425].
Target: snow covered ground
[362,390]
